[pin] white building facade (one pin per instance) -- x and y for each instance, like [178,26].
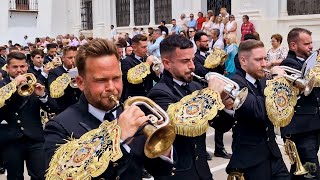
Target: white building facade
[94,17]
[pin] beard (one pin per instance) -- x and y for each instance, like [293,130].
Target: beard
[204,49]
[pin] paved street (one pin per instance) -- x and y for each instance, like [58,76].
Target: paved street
[217,165]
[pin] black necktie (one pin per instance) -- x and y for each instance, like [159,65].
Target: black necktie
[257,83]
[109,116]
[39,71]
[186,88]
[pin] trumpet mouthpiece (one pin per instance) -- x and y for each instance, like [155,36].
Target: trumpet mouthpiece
[114,99]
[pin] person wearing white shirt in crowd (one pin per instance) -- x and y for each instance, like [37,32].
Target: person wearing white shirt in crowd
[216,42]
[225,15]
[154,48]
[206,26]
[73,41]
[191,33]
[26,41]
[82,39]
[231,27]
[183,23]
[218,25]
[113,32]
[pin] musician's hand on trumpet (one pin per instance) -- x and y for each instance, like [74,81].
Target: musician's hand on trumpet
[277,71]
[130,120]
[39,90]
[151,61]
[20,79]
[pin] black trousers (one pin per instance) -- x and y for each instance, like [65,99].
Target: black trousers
[308,146]
[18,151]
[218,141]
[271,169]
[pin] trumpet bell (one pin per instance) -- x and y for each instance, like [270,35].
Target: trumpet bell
[159,140]
[27,88]
[310,85]
[240,97]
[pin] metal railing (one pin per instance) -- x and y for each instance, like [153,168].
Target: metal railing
[23,5]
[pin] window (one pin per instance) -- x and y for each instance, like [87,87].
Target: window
[141,12]
[86,15]
[23,5]
[123,12]
[302,7]
[163,11]
[216,5]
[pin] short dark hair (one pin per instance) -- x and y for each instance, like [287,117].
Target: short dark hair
[277,37]
[246,16]
[294,34]
[249,36]
[217,31]
[164,22]
[173,20]
[37,52]
[198,35]
[15,55]
[2,48]
[69,48]
[51,46]
[248,45]
[137,38]
[169,44]
[98,47]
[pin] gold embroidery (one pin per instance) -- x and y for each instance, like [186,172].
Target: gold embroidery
[137,73]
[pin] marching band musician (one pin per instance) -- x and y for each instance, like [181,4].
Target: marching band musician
[51,53]
[177,55]
[21,131]
[202,42]
[71,95]
[304,127]
[255,151]
[142,85]
[100,77]
[37,68]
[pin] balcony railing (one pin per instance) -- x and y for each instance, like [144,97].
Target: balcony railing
[24,5]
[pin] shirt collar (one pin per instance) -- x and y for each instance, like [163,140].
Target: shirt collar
[137,57]
[98,113]
[300,58]
[65,68]
[180,83]
[37,68]
[202,53]
[251,79]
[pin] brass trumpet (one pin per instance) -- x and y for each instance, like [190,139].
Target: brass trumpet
[297,78]
[27,88]
[157,63]
[292,152]
[54,63]
[160,134]
[235,175]
[232,88]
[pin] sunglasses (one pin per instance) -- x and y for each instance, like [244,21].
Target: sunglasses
[191,31]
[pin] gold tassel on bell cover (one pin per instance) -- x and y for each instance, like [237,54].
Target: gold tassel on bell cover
[191,114]
[137,73]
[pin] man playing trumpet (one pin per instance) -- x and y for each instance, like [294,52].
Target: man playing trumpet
[69,95]
[21,132]
[255,151]
[100,78]
[175,86]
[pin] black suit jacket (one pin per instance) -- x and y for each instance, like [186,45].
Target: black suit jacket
[135,89]
[2,61]
[38,75]
[76,120]
[306,117]
[47,59]
[253,134]
[192,162]
[199,66]
[71,95]
[22,115]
